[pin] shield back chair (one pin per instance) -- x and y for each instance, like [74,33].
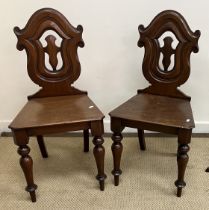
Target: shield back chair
[162,106]
[57,106]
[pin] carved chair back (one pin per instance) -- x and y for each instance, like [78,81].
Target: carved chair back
[55,80]
[163,76]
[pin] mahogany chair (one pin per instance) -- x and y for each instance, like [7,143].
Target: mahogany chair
[162,106]
[57,106]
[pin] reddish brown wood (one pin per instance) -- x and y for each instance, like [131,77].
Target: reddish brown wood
[97,128]
[21,139]
[26,163]
[155,109]
[167,51]
[184,138]
[162,106]
[166,82]
[58,106]
[182,160]
[52,51]
[53,83]
[99,153]
[117,149]
[56,110]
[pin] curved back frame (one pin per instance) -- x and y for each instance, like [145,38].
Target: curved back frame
[55,81]
[164,81]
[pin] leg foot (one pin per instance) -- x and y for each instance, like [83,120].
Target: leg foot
[99,153]
[207,169]
[33,196]
[101,181]
[26,164]
[180,186]
[42,146]
[101,185]
[116,178]
[179,191]
[182,160]
[86,140]
[117,149]
[32,192]
[142,142]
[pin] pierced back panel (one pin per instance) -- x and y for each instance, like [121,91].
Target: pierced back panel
[45,56]
[166,66]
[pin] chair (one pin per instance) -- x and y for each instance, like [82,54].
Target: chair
[57,106]
[162,106]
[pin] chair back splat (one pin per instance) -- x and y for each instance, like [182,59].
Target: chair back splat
[164,73]
[38,38]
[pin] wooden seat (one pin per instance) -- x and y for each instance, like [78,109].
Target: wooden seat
[162,106]
[156,110]
[53,111]
[57,106]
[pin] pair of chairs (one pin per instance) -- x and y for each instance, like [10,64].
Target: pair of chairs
[60,107]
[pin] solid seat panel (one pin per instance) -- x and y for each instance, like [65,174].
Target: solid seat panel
[56,110]
[156,109]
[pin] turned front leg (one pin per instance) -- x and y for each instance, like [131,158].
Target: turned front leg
[26,164]
[182,160]
[99,153]
[117,149]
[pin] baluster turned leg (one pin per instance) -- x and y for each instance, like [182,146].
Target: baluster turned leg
[42,146]
[142,142]
[99,153]
[86,140]
[182,160]
[117,149]
[26,164]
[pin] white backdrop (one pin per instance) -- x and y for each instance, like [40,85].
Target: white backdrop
[110,61]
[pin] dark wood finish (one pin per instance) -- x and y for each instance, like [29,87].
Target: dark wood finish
[162,106]
[56,110]
[57,106]
[184,138]
[117,149]
[86,140]
[59,81]
[142,142]
[42,146]
[155,109]
[26,164]
[97,129]
[165,82]
[99,153]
